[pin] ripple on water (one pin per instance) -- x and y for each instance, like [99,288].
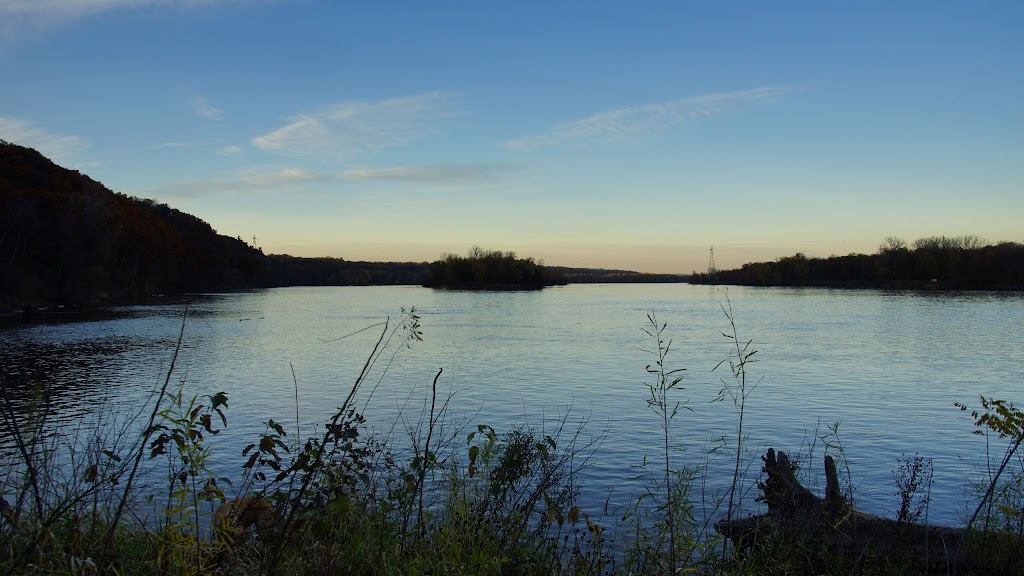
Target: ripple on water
[887,365]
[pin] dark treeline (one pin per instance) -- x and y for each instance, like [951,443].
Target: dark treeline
[958,262]
[491,269]
[598,276]
[292,271]
[67,239]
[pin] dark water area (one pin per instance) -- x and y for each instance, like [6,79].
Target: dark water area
[886,365]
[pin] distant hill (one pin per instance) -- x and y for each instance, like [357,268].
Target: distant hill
[601,276]
[293,271]
[66,238]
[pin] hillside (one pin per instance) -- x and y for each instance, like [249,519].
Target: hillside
[66,238]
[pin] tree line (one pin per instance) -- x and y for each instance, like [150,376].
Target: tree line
[293,271]
[491,269]
[599,276]
[67,239]
[946,262]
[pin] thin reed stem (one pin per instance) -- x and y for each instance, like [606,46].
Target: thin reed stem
[317,460]
[126,493]
[426,452]
[29,460]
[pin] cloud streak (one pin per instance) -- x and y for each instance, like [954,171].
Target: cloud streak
[18,17]
[351,129]
[431,174]
[73,8]
[57,147]
[286,178]
[639,121]
[205,110]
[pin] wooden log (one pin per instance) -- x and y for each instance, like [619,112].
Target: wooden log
[797,515]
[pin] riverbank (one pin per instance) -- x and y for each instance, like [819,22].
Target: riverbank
[497,504]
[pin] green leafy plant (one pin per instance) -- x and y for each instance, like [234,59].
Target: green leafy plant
[913,478]
[179,434]
[737,390]
[1005,422]
[661,518]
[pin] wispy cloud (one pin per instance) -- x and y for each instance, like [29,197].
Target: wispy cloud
[220,149]
[349,129]
[432,174]
[20,16]
[72,8]
[57,147]
[283,179]
[205,110]
[638,121]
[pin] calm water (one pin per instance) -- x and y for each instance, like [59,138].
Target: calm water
[887,365]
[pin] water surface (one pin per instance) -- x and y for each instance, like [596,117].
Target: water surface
[886,365]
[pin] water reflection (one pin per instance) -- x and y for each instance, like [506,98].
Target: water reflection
[888,365]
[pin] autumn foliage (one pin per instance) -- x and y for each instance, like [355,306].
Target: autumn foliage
[66,238]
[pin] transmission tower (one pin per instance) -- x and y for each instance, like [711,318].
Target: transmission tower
[711,263]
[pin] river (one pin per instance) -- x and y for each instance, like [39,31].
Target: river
[887,366]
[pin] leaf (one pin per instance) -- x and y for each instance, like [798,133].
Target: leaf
[90,475]
[110,454]
[276,427]
[267,446]
[473,453]
[219,399]
[252,460]
[574,514]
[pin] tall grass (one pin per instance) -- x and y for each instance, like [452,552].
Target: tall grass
[738,390]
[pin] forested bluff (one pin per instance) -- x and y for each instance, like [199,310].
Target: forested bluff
[67,239]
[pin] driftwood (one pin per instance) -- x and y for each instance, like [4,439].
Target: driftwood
[795,515]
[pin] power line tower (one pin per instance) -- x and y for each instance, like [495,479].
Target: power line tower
[711,263]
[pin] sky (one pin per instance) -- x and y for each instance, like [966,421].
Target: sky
[633,135]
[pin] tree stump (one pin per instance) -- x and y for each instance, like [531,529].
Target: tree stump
[799,517]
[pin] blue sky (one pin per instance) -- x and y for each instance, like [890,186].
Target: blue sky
[605,134]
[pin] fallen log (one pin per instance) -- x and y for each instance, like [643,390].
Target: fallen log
[798,517]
